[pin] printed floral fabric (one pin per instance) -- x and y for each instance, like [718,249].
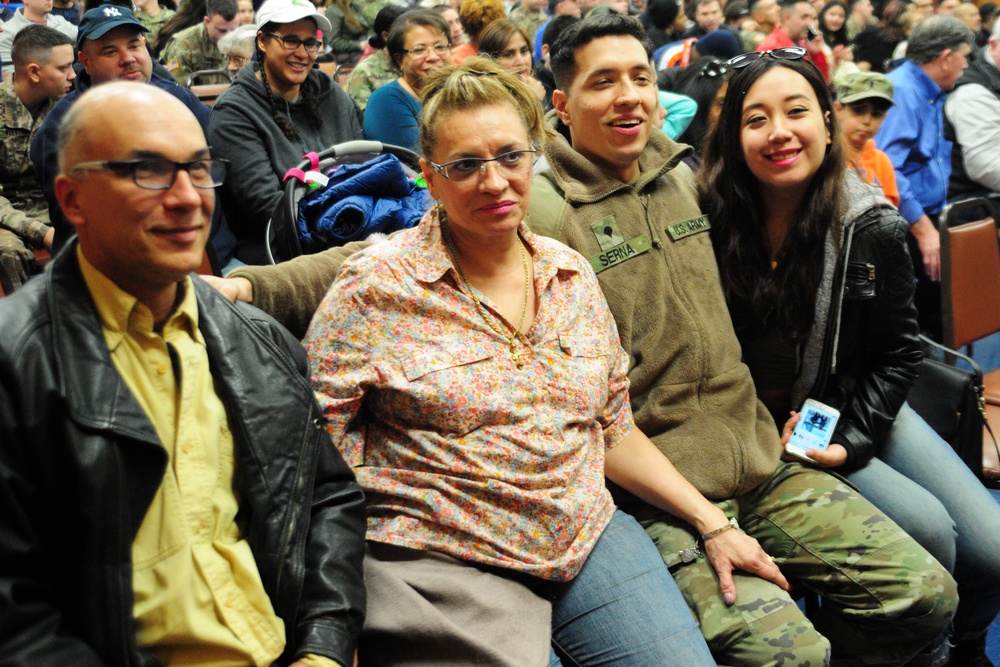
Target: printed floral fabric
[459,450]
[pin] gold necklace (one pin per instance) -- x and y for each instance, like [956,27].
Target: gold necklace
[511,334]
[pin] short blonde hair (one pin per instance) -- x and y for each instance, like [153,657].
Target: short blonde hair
[477,82]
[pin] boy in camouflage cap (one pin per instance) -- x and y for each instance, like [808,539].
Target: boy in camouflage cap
[863,100]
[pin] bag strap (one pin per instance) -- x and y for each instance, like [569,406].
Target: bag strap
[977,385]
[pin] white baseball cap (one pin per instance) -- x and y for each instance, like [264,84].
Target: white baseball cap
[290,11]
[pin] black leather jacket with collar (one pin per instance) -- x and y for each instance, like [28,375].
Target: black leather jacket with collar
[80,463]
[871,347]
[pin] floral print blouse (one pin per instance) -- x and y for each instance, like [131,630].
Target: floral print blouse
[458,450]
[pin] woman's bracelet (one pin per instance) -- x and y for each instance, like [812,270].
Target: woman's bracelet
[719,531]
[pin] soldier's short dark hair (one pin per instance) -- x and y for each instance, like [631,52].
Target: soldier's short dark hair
[227,9]
[34,44]
[611,24]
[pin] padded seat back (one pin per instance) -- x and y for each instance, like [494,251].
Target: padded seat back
[970,278]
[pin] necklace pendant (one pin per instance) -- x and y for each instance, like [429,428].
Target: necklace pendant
[515,353]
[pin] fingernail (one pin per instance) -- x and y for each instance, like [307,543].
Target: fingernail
[729,598]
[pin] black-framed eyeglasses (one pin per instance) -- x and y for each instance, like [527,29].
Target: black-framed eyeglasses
[158,173]
[423,50]
[784,53]
[292,42]
[512,163]
[714,69]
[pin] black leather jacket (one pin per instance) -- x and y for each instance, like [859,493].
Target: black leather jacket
[80,463]
[871,349]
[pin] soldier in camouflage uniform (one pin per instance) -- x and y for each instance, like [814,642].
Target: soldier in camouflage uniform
[369,9]
[369,75]
[632,209]
[153,22]
[194,49]
[43,72]
[529,15]
[377,69]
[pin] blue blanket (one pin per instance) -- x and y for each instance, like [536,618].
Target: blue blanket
[360,200]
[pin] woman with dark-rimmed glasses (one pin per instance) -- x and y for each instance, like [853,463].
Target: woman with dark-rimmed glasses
[419,41]
[277,110]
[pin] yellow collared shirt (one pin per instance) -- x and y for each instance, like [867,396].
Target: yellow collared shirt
[199,598]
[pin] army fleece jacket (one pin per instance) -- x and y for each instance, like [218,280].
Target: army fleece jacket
[691,393]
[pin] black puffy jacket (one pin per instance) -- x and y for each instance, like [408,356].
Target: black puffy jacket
[80,463]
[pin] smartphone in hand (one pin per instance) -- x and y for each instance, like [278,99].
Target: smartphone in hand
[812,32]
[814,430]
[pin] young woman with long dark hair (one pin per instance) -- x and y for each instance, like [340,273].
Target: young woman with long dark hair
[820,288]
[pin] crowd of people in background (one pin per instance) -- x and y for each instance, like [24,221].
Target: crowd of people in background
[545,425]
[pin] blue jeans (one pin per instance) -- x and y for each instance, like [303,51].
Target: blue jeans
[624,608]
[919,481]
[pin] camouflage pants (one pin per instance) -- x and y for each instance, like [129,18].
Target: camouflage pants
[883,596]
[17,262]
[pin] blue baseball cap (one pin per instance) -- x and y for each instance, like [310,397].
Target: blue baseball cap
[99,21]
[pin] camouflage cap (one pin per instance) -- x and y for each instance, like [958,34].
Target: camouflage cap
[864,85]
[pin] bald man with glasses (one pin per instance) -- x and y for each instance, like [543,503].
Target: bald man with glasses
[168,495]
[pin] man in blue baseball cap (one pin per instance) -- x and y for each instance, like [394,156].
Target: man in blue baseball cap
[112,47]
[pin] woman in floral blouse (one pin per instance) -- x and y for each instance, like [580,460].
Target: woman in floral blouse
[471,374]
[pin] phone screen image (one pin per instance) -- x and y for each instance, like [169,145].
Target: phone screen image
[814,430]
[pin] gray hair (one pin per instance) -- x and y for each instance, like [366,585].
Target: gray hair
[240,39]
[934,34]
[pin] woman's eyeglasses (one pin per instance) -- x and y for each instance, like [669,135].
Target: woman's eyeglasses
[514,163]
[423,50]
[292,42]
[784,53]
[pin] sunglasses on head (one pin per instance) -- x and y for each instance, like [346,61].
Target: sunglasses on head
[784,53]
[714,69]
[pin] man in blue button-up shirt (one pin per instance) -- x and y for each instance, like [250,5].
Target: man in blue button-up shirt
[913,138]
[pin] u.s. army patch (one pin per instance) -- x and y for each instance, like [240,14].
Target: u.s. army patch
[688,227]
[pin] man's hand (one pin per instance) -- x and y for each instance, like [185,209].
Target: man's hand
[929,240]
[815,45]
[735,550]
[234,289]
[49,236]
